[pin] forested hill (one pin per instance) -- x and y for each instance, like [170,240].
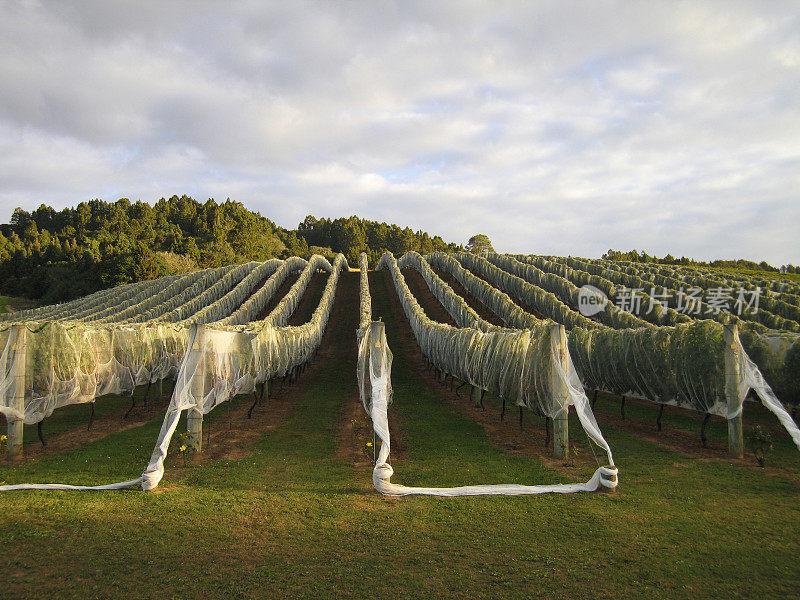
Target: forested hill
[57,255]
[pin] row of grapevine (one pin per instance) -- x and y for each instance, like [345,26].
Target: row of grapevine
[62,362]
[227,361]
[666,290]
[502,304]
[515,364]
[95,303]
[787,291]
[776,352]
[624,361]
[255,305]
[454,304]
[147,306]
[682,364]
[781,299]
[530,367]
[550,283]
[68,362]
[542,301]
[362,336]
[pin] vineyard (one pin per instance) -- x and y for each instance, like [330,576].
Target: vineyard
[230,380]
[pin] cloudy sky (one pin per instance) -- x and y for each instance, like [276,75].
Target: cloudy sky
[553,127]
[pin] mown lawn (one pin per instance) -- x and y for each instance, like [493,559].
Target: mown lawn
[15,303]
[290,519]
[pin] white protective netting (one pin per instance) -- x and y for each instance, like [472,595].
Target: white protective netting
[221,364]
[518,365]
[255,304]
[67,363]
[225,305]
[102,298]
[178,293]
[145,306]
[681,365]
[186,307]
[771,311]
[365,318]
[72,363]
[540,289]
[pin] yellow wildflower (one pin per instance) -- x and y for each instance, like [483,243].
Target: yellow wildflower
[183,448]
[369,444]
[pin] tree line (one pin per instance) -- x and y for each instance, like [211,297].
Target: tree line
[741,263]
[54,256]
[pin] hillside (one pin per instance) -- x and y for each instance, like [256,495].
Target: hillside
[281,499]
[58,255]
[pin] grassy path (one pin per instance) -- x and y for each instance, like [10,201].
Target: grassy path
[292,518]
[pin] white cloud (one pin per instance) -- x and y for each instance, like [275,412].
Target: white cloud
[663,126]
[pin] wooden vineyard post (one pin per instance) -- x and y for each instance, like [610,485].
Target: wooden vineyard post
[194,417]
[735,437]
[558,388]
[14,429]
[376,364]
[477,395]
[377,355]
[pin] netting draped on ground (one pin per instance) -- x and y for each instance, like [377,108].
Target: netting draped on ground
[521,366]
[221,364]
[65,363]
[70,363]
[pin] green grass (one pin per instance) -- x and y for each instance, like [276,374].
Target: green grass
[784,453]
[795,277]
[291,519]
[17,303]
[77,415]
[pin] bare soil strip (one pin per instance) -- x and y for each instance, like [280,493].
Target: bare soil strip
[429,303]
[479,307]
[524,306]
[256,288]
[282,290]
[310,300]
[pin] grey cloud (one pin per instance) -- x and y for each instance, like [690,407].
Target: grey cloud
[664,126]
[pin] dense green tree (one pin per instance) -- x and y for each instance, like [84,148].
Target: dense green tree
[353,235]
[479,244]
[643,257]
[58,255]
